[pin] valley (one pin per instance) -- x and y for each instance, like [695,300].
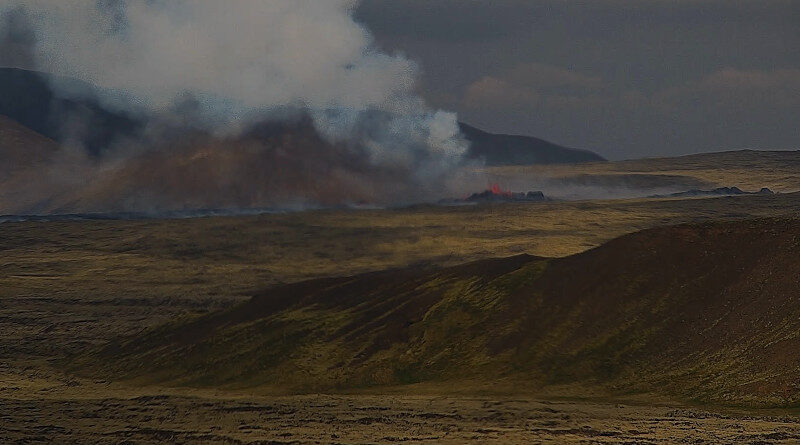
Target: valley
[70,289]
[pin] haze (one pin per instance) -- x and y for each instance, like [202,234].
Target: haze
[623,78]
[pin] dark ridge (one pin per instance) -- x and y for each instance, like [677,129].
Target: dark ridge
[501,149]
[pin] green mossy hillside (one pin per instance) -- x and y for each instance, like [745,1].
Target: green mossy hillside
[708,313]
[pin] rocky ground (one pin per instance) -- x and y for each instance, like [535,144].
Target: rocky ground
[72,286]
[331,419]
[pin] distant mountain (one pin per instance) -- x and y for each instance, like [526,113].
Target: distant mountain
[706,312]
[73,113]
[502,149]
[180,166]
[28,98]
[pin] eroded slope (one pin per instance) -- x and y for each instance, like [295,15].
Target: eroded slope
[706,312]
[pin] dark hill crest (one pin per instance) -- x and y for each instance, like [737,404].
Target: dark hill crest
[503,149]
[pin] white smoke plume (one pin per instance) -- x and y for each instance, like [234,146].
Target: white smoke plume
[245,58]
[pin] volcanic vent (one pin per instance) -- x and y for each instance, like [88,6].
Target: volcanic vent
[496,194]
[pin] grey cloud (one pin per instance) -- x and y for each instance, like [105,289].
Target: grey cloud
[731,78]
[17,39]
[727,109]
[658,77]
[548,76]
[731,92]
[240,63]
[527,84]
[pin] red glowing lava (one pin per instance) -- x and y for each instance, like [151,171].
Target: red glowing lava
[497,190]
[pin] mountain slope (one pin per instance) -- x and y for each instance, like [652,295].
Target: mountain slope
[284,164]
[73,112]
[27,159]
[708,313]
[27,97]
[501,149]
[21,147]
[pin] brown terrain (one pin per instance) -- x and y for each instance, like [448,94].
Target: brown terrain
[69,288]
[270,165]
[642,320]
[289,165]
[749,170]
[21,147]
[358,419]
[705,313]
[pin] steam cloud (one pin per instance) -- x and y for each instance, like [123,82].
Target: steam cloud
[231,69]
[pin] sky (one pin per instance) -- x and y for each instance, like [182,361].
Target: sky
[625,78]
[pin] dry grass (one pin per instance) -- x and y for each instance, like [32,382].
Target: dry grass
[748,170]
[209,419]
[68,285]
[225,257]
[65,285]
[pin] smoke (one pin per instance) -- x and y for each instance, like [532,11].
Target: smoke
[17,39]
[240,64]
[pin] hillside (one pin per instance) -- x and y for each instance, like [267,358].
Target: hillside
[72,114]
[271,165]
[74,111]
[703,312]
[22,148]
[502,149]
[177,166]
[26,166]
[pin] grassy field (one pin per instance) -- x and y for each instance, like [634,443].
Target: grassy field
[643,313]
[357,419]
[67,287]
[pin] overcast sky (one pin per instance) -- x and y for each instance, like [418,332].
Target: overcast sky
[624,78]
